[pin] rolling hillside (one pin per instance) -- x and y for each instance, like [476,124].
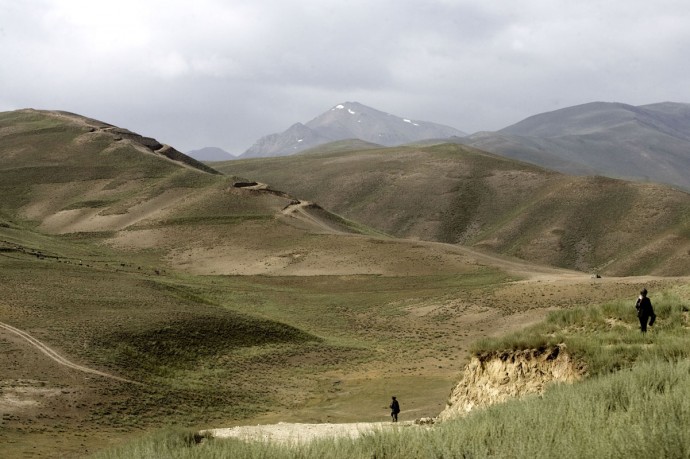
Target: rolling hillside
[65,174]
[457,194]
[141,289]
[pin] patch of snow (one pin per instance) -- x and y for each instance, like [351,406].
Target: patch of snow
[409,121]
[300,140]
[350,111]
[339,107]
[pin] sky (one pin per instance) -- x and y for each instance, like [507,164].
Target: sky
[214,73]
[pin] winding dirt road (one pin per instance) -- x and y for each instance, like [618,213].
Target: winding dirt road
[57,357]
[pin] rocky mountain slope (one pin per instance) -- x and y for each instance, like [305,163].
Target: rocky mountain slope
[349,120]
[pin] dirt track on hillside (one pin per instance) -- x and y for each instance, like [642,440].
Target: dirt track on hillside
[57,357]
[299,210]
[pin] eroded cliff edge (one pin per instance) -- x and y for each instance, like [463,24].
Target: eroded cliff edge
[494,377]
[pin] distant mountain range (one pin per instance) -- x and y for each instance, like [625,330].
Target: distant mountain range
[349,120]
[649,142]
[210,154]
[645,143]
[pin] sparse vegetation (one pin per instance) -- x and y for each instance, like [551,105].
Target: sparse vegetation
[225,310]
[638,414]
[457,194]
[641,412]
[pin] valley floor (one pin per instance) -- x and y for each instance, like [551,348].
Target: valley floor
[383,335]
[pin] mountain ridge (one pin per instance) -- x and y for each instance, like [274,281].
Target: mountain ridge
[348,120]
[118,134]
[210,154]
[644,143]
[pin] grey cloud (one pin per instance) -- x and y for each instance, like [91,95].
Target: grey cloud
[223,73]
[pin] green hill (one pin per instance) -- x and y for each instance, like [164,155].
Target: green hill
[633,401]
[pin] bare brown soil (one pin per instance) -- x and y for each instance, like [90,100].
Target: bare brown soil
[497,377]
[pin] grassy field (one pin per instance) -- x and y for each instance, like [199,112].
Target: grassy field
[214,351]
[607,337]
[209,350]
[635,403]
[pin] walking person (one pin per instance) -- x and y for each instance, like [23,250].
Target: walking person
[395,409]
[645,311]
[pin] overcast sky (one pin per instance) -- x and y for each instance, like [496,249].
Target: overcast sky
[224,73]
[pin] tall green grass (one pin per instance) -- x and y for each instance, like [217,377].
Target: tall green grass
[606,337]
[640,413]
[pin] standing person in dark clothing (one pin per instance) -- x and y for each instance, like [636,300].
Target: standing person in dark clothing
[645,311]
[395,409]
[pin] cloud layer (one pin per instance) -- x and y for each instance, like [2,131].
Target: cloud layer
[223,73]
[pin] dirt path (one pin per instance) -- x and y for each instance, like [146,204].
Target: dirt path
[299,211]
[296,433]
[511,265]
[57,357]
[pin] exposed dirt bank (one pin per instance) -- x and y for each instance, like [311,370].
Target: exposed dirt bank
[498,376]
[490,378]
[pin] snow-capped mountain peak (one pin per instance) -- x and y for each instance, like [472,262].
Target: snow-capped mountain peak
[350,120]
